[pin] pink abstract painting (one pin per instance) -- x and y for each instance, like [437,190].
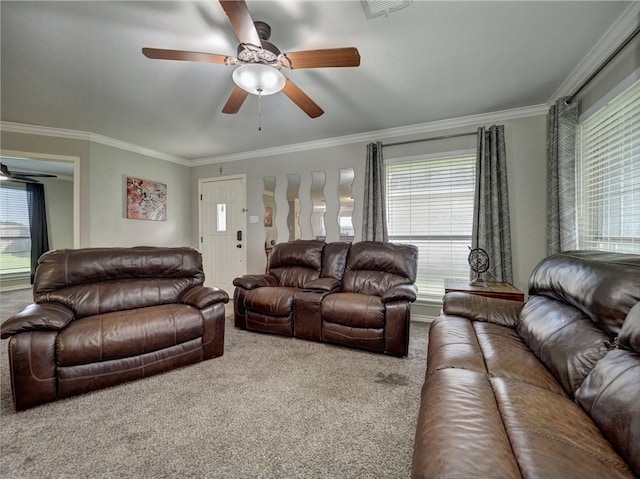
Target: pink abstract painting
[146,200]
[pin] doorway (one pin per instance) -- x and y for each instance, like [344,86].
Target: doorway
[62,192]
[222,229]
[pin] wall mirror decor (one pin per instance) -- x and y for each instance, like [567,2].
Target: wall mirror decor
[345,194]
[269,213]
[318,205]
[293,200]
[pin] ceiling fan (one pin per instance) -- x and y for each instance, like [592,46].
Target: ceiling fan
[21,176]
[260,62]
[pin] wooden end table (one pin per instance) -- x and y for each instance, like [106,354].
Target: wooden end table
[493,289]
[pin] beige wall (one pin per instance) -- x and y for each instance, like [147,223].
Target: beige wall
[619,71]
[103,172]
[58,195]
[109,168]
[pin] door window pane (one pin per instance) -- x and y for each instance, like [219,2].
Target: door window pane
[221,209]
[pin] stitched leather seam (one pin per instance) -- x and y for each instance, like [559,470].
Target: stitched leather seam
[597,399]
[31,372]
[537,432]
[119,371]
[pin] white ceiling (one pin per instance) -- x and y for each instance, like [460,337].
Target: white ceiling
[79,66]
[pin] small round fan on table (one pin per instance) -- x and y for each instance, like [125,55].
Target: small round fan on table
[479,263]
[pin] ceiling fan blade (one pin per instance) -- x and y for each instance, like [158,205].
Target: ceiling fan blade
[241,21]
[22,174]
[23,179]
[332,57]
[235,101]
[300,98]
[160,54]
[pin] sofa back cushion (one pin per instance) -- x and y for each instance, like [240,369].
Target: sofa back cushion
[373,268]
[604,286]
[297,262]
[578,302]
[563,338]
[611,392]
[101,280]
[334,260]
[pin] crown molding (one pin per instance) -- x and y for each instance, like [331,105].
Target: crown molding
[90,137]
[378,135]
[617,33]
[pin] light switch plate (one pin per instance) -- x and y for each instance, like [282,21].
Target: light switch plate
[253,219]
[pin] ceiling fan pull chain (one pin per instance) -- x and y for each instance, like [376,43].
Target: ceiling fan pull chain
[259,109]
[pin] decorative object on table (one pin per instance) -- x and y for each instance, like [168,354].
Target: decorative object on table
[146,200]
[479,263]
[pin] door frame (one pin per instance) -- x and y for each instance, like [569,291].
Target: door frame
[240,176]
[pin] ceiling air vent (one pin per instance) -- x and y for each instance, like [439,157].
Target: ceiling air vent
[375,8]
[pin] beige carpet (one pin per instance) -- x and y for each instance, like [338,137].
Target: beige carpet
[271,407]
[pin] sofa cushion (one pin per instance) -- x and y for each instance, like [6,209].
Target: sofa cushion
[564,339]
[491,349]
[460,429]
[453,344]
[272,301]
[604,286]
[89,265]
[508,357]
[90,299]
[551,436]
[364,338]
[374,268]
[297,262]
[82,378]
[352,309]
[611,392]
[334,260]
[127,333]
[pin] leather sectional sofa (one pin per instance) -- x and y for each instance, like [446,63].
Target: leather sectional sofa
[103,316]
[548,389]
[357,295]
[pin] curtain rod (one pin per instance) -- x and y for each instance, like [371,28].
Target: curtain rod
[444,137]
[604,64]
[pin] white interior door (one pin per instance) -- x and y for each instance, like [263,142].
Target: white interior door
[222,231]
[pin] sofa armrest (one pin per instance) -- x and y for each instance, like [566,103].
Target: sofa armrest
[401,292]
[37,317]
[202,296]
[329,285]
[253,281]
[503,312]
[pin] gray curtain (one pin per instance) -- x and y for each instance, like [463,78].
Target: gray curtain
[561,174]
[491,227]
[374,221]
[37,224]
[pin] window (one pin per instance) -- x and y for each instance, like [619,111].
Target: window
[430,204]
[15,236]
[608,176]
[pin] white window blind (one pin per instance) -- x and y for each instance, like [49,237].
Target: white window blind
[15,236]
[430,204]
[608,174]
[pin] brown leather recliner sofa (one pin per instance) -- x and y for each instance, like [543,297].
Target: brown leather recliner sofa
[547,389]
[357,295]
[103,316]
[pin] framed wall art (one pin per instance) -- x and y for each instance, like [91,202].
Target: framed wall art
[146,200]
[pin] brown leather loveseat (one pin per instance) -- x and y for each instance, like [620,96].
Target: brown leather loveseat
[357,295]
[547,389]
[102,316]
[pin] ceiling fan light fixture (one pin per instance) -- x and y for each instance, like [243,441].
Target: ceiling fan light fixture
[258,78]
